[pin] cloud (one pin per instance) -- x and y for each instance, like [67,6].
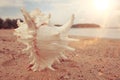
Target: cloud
[82,9]
[10,12]
[11,3]
[84,12]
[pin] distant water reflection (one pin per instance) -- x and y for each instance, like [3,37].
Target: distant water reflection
[113,33]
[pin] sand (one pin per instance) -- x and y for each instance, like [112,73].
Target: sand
[93,59]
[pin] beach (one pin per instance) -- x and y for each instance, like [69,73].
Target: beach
[93,59]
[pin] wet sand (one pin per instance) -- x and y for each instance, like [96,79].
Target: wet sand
[94,59]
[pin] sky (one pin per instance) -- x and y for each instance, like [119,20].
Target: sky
[85,11]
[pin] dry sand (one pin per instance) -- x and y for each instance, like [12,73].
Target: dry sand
[94,59]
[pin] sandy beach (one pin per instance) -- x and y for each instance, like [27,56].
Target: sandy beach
[93,59]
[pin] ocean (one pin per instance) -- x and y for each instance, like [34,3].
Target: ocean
[112,33]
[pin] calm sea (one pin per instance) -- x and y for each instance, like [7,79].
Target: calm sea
[96,32]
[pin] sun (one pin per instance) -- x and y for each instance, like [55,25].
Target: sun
[102,5]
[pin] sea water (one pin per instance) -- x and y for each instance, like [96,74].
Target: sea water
[113,33]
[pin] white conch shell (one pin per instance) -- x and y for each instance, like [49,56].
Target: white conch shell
[47,44]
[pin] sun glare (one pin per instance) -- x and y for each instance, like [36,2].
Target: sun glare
[102,5]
